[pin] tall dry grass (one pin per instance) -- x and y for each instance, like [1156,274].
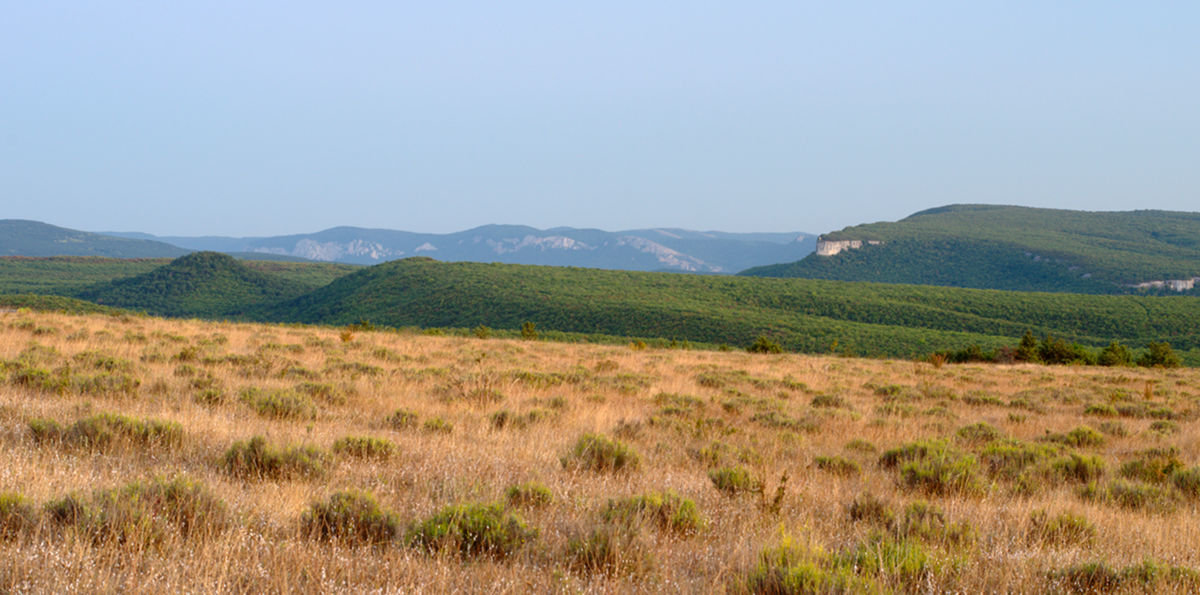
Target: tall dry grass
[683,412]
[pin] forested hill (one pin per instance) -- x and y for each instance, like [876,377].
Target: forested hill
[201,284]
[1014,248]
[805,315]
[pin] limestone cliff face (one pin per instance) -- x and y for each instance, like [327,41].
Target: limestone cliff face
[831,247]
[1172,284]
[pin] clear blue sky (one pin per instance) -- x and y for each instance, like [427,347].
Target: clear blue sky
[261,118]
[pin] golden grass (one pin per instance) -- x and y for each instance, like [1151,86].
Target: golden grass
[579,389]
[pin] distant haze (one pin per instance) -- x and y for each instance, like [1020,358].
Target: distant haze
[272,117]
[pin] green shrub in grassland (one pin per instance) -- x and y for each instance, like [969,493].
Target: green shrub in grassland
[351,517]
[364,447]
[596,452]
[471,530]
[255,459]
[105,430]
[530,494]
[143,514]
[665,510]
[17,515]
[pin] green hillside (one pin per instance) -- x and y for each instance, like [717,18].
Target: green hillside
[201,284]
[19,237]
[1014,248]
[68,275]
[805,315]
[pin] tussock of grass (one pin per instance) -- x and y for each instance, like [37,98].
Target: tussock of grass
[665,510]
[18,516]
[529,495]
[255,459]
[596,452]
[105,430]
[142,514]
[364,447]
[471,530]
[352,517]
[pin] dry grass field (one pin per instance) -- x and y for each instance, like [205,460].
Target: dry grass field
[149,455]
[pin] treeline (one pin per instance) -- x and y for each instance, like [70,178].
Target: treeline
[1056,351]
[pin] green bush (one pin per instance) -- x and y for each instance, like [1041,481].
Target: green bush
[104,430]
[901,560]
[1100,410]
[1063,528]
[529,494]
[1088,577]
[1187,481]
[1159,355]
[401,419]
[979,433]
[143,515]
[924,521]
[735,480]
[868,507]
[830,401]
[789,569]
[933,467]
[17,515]
[837,465]
[763,344]
[255,459]
[609,550]
[1153,466]
[280,404]
[1007,459]
[437,425]
[666,510]
[1079,437]
[351,517]
[472,530]
[364,447]
[596,452]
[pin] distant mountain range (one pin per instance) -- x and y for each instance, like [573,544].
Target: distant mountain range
[676,250]
[19,237]
[1013,248]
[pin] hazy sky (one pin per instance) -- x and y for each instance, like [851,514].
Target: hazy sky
[261,118]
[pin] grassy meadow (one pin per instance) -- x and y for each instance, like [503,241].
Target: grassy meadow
[151,455]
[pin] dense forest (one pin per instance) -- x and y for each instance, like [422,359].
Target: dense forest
[1014,248]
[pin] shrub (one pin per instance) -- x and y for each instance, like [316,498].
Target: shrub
[472,530]
[1062,528]
[860,445]
[979,433]
[790,569]
[105,430]
[255,459]
[735,480]
[902,560]
[1115,354]
[1133,495]
[1100,410]
[280,404]
[609,550]
[763,344]
[1187,481]
[529,331]
[1154,466]
[17,515]
[837,465]
[1007,459]
[402,418]
[596,452]
[364,447]
[530,494]
[666,510]
[1089,577]
[948,474]
[832,401]
[508,419]
[143,514]
[437,425]
[1081,468]
[1159,355]
[1114,428]
[352,517]
[1163,426]
[868,507]
[925,521]
[1079,437]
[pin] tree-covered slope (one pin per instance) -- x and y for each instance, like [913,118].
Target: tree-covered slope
[19,237]
[1015,248]
[806,315]
[201,284]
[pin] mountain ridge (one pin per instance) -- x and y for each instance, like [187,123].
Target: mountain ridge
[1012,248]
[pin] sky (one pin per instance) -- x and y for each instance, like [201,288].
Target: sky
[271,117]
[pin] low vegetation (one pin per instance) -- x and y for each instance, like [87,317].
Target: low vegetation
[599,468]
